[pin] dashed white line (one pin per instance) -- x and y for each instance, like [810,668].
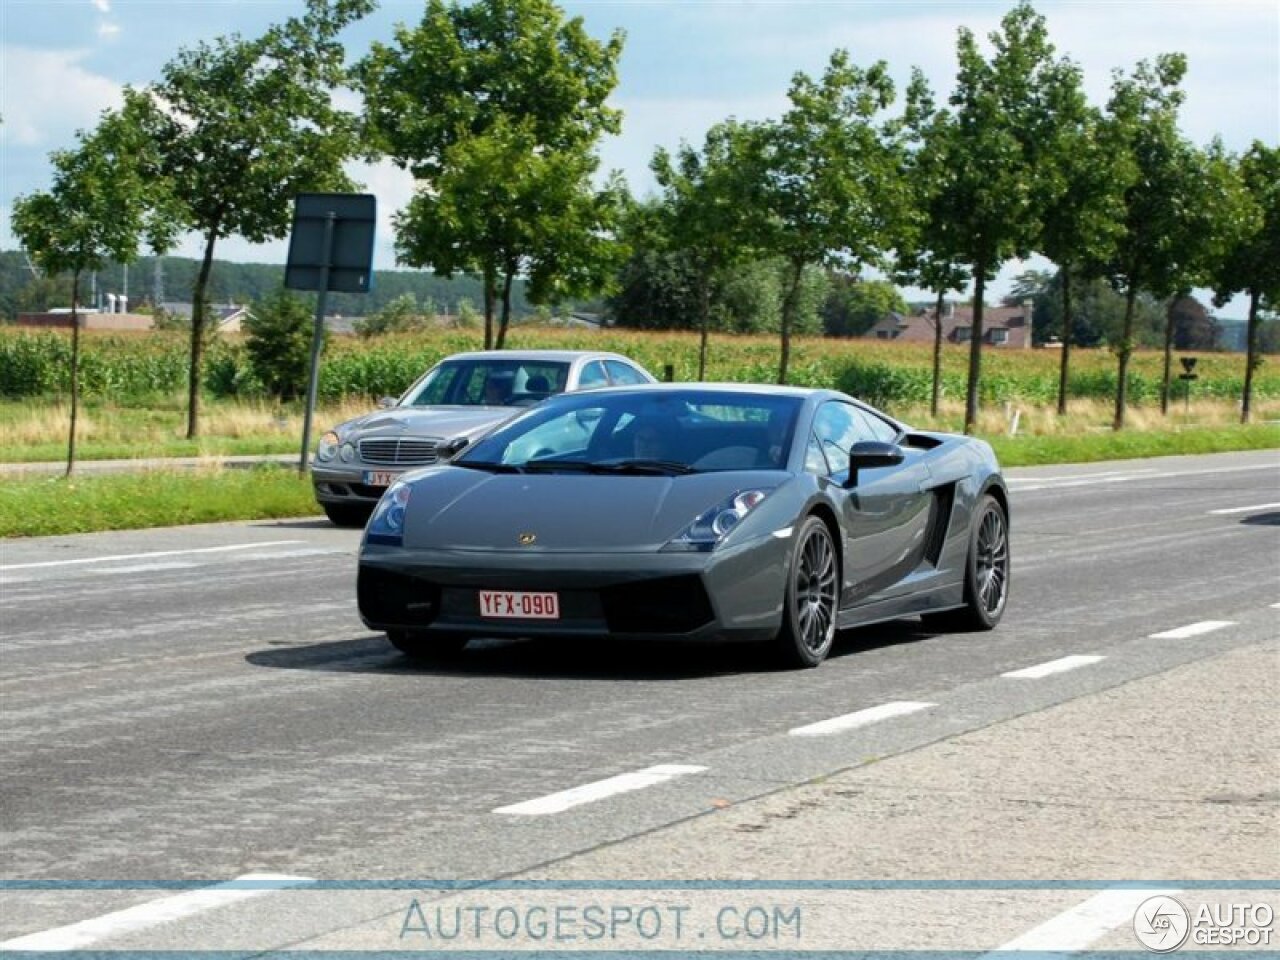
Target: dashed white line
[155,912]
[149,556]
[1192,630]
[591,792]
[1275,606]
[1054,483]
[861,718]
[1083,924]
[1061,665]
[1255,507]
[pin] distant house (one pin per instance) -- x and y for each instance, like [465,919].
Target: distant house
[227,317]
[1005,327]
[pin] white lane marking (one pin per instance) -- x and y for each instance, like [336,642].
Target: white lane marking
[148,556]
[1080,476]
[591,792]
[1083,924]
[1061,665]
[851,721]
[154,913]
[1275,606]
[1192,630]
[1256,506]
[1083,481]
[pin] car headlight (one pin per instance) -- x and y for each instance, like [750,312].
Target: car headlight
[714,525]
[347,452]
[328,446]
[387,523]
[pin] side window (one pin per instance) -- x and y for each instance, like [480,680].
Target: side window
[814,459]
[873,428]
[837,430]
[592,375]
[623,373]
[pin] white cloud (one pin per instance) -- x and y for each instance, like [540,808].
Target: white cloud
[46,95]
[108,30]
[103,6]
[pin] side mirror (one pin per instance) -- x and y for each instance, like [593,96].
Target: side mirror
[454,447]
[385,402]
[871,454]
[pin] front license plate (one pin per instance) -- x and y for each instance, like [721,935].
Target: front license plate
[380,478]
[519,605]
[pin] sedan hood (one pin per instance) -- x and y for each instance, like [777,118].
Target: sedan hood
[461,509]
[443,422]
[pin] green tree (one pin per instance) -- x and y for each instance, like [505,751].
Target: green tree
[496,107]
[996,142]
[1251,263]
[827,185]
[279,328]
[100,207]
[853,305]
[704,216]
[1083,182]
[243,127]
[925,246]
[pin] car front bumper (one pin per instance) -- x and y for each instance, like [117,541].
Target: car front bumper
[734,594]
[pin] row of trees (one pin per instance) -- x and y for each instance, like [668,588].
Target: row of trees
[497,108]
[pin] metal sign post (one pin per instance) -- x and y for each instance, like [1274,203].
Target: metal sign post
[331,248]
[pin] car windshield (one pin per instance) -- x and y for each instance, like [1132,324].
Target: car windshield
[488,381]
[643,433]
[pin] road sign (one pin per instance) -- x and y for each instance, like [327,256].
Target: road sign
[347,254]
[1188,363]
[331,248]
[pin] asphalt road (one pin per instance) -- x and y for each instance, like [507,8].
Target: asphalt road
[201,703]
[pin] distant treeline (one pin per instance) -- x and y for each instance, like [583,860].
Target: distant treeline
[241,283]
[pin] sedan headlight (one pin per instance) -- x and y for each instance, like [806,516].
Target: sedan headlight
[714,525]
[347,452]
[387,523]
[328,446]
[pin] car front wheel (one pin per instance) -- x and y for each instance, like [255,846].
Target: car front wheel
[986,580]
[809,614]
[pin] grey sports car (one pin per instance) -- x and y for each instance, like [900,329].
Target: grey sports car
[690,511]
[452,403]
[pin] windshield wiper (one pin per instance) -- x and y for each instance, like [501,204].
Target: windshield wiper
[492,466]
[557,466]
[660,468]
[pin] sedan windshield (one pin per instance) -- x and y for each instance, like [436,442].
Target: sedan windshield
[644,433]
[496,382]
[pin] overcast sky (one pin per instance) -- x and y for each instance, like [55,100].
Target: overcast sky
[686,65]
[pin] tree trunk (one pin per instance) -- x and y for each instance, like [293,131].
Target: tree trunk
[197,335]
[1126,349]
[788,315]
[975,348]
[505,320]
[1168,357]
[704,325]
[1250,354]
[1064,367]
[937,353]
[75,369]
[488,307]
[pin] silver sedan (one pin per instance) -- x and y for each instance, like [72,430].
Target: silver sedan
[452,404]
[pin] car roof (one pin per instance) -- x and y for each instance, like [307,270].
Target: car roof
[564,356]
[743,389]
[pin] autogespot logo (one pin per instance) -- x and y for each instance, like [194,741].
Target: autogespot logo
[1161,924]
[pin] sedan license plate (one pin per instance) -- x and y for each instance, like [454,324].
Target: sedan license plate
[519,605]
[380,478]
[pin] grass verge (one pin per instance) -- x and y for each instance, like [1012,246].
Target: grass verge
[154,498]
[32,507]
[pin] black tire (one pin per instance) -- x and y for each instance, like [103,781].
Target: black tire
[986,574]
[811,599]
[427,647]
[347,514]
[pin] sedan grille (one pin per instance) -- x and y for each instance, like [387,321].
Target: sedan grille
[399,451]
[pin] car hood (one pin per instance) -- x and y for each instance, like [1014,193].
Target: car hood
[462,509]
[443,422]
